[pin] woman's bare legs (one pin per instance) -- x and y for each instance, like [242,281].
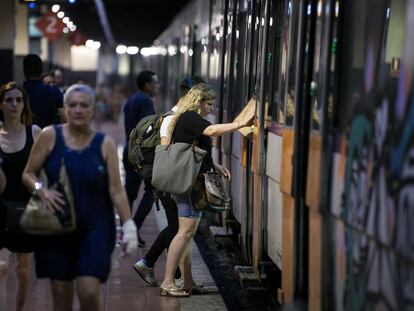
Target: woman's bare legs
[87,288]
[186,231]
[24,276]
[4,268]
[186,264]
[62,292]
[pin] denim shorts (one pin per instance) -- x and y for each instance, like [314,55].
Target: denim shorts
[185,207]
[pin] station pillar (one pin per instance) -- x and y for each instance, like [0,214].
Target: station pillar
[7,34]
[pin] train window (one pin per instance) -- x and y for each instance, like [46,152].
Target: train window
[292,13]
[241,48]
[255,51]
[277,58]
[370,52]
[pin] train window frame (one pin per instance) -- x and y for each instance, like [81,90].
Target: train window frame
[276,51]
[292,12]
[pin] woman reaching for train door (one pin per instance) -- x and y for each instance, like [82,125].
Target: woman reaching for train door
[188,125]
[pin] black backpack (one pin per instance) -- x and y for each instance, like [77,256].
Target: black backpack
[143,140]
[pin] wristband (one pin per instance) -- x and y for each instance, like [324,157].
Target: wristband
[38,186]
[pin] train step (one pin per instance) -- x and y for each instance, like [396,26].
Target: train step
[248,279]
[220,232]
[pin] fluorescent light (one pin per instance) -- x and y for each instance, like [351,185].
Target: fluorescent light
[121,49]
[132,50]
[55,8]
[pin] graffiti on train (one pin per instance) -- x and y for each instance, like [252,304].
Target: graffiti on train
[378,209]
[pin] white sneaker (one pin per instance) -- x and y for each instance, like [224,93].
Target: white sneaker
[145,272]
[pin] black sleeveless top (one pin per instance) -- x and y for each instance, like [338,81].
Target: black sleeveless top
[13,166]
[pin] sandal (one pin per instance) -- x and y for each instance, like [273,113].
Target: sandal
[197,290]
[173,291]
[180,283]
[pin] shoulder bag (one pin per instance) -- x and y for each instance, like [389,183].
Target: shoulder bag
[209,193]
[36,219]
[176,167]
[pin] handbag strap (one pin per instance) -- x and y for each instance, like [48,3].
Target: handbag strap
[171,140]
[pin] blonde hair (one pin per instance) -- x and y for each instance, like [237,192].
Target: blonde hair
[192,101]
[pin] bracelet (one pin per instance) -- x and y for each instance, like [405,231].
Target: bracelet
[38,186]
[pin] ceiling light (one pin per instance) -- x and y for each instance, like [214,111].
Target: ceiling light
[60,14]
[89,43]
[183,49]
[172,50]
[190,52]
[72,1]
[153,50]
[65,30]
[55,8]
[69,24]
[132,50]
[96,45]
[72,28]
[65,19]
[121,49]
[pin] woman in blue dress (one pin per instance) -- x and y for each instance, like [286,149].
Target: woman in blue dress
[91,161]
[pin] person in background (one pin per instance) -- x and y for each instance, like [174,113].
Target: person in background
[145,266]
[47,78]
[138,106]
[16,139]
[91,162]
[46,101]
[4,266]
[58,77]
[187,125]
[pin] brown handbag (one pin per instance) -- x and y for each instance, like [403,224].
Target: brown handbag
[37,219]
[210,194]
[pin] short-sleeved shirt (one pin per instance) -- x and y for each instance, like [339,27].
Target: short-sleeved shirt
[166,123]
[189,127]
[136,107]
[45,101]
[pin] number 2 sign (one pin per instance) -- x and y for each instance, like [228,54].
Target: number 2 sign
[50,25]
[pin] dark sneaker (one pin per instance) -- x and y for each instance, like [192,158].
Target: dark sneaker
[141,242]
[146,273]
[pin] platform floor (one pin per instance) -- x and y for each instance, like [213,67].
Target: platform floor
[125,290]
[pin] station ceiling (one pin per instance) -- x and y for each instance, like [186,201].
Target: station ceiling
[132,22]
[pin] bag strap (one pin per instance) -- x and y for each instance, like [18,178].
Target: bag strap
[171,141]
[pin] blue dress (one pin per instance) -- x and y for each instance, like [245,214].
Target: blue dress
[87,251]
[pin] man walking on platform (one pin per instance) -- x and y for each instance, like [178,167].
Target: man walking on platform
[137,107]
[46,101]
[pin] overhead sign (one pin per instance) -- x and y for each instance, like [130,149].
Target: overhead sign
[50,25]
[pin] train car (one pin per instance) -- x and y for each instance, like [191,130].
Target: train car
[322,188]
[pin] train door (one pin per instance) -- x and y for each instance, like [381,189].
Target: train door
[370,210]
[241,147]
[300,19]
[272,94]
[320,96]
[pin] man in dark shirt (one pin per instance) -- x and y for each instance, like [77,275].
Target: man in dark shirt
[46,101]
[137,107]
